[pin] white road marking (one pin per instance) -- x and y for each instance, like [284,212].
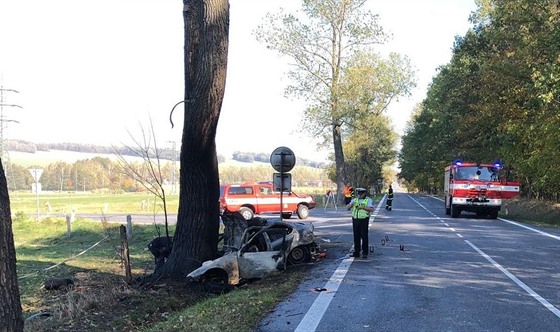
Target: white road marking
[520,283]
[502,219]
[314,315]
[317,310]
[531,229]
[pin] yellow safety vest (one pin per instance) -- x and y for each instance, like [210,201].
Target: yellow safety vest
[360,214]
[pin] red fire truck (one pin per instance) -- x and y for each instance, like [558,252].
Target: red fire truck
[478,188]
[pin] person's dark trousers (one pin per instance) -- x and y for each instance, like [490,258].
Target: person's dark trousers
[361,239]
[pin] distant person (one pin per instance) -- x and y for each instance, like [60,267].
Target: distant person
[348,192]
[361,206]
[389,205]
[330,199]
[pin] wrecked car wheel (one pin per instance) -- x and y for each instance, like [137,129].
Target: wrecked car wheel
[299,255]
[215,282]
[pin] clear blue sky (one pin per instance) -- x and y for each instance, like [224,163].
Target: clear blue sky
[91,73]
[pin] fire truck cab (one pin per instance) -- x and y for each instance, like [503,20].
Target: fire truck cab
[478,188]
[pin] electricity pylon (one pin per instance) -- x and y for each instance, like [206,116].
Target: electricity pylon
[4,156]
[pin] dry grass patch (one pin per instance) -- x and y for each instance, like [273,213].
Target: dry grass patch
[537,212]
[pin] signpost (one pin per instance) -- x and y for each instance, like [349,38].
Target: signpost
[36,173]
[282,160]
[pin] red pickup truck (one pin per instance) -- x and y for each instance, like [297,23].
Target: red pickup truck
[251,199]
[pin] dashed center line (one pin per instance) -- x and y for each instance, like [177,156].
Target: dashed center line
[526,288]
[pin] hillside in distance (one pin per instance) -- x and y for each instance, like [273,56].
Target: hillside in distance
[41,154]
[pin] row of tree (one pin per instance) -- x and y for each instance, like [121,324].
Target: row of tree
[498,98]
[29,147]
[103,173]
[250,157]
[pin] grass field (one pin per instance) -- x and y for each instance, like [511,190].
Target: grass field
[81,202]
[100,299]
[54,203]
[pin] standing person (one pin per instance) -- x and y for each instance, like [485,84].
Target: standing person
[361,207]
[389,205]
[330,199]
[348,192]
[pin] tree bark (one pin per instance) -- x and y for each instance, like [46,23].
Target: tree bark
[11,318]
[206,50]
[340,170]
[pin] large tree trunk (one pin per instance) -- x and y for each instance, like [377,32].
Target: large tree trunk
[11,318]
[206,50]
[340,171]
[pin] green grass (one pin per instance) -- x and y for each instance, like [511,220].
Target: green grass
[238,310]
[100,299]
[45,249]
[90,203]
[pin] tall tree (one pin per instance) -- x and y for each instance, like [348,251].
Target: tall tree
[206,24]
[11,318]
[322,46]
[499,97]
[367,151]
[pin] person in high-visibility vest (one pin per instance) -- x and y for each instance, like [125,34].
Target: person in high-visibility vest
[361,207]
[389,205]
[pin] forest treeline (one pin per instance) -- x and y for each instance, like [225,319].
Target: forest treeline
[497,98]
[164,153]
[105,174]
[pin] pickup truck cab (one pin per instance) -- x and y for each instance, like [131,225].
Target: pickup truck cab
[251,199]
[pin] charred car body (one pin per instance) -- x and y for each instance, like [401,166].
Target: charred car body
[262,248]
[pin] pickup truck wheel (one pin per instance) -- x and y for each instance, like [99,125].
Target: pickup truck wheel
[299,255]
[302,211]
[246,212]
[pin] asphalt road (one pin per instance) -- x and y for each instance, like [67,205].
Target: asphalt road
[428,272]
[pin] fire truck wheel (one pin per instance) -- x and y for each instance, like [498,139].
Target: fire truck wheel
[246,212]
[286,215]
[302,211]
[454,211]
[493,214]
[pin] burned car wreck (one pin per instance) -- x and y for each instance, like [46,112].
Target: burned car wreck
[255,248]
